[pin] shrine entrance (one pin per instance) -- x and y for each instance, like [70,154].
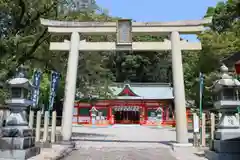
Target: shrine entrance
[124,30]
[126,115]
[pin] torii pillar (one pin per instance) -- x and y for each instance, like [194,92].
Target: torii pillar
[70,87]
[179,89]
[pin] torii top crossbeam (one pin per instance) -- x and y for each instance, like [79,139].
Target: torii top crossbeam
[135,28]
[146,28]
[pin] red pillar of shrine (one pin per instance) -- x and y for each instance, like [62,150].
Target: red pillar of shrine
[142,115]
[111,116]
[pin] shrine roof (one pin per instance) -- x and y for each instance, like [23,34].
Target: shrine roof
[143,91]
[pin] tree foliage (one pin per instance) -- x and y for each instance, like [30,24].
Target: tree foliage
[23,40]
[221,39]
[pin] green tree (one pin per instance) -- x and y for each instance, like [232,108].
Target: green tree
[25,41]
[221,39]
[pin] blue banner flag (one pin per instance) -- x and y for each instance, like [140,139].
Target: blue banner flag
[53,87]
[36,82]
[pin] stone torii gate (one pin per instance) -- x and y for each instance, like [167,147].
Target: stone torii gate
[125,29]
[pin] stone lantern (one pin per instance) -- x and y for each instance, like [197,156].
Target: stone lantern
[159,115]
[17,141]
[93,113]
[226,143]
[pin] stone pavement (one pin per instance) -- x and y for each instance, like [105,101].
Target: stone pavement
[126,142]
[121,142]
[54,153]
[128,153]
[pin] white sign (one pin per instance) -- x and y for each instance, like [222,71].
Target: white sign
[153,114]
[195,123]
[84,119]
[159,117]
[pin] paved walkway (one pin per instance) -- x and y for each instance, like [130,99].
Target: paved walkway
[124,142]
[121,154]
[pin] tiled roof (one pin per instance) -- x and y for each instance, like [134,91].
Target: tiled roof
[145,91]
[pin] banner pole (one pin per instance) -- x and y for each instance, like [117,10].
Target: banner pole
[200,100]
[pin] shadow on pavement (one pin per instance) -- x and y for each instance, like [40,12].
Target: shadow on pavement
[76,134]
[189,130]
[200,154]
[125,141]
[168,143]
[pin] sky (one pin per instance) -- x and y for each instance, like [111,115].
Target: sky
[158,10]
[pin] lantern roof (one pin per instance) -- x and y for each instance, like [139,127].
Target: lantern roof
[226,80]
[20,82]
[19,102]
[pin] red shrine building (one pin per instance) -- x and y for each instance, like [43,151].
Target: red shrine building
[135,103]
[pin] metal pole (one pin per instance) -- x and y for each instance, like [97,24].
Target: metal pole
[200,101]
[200,94]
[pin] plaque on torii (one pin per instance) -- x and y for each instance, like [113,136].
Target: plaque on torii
[124,34]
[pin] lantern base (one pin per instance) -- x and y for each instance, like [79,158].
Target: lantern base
[19,154]
[18,142]
[211,155]
[228,121]
[17,132]
[226,139]
[227,134]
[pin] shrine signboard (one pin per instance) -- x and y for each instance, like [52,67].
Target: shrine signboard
[124,32]
[126,108]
